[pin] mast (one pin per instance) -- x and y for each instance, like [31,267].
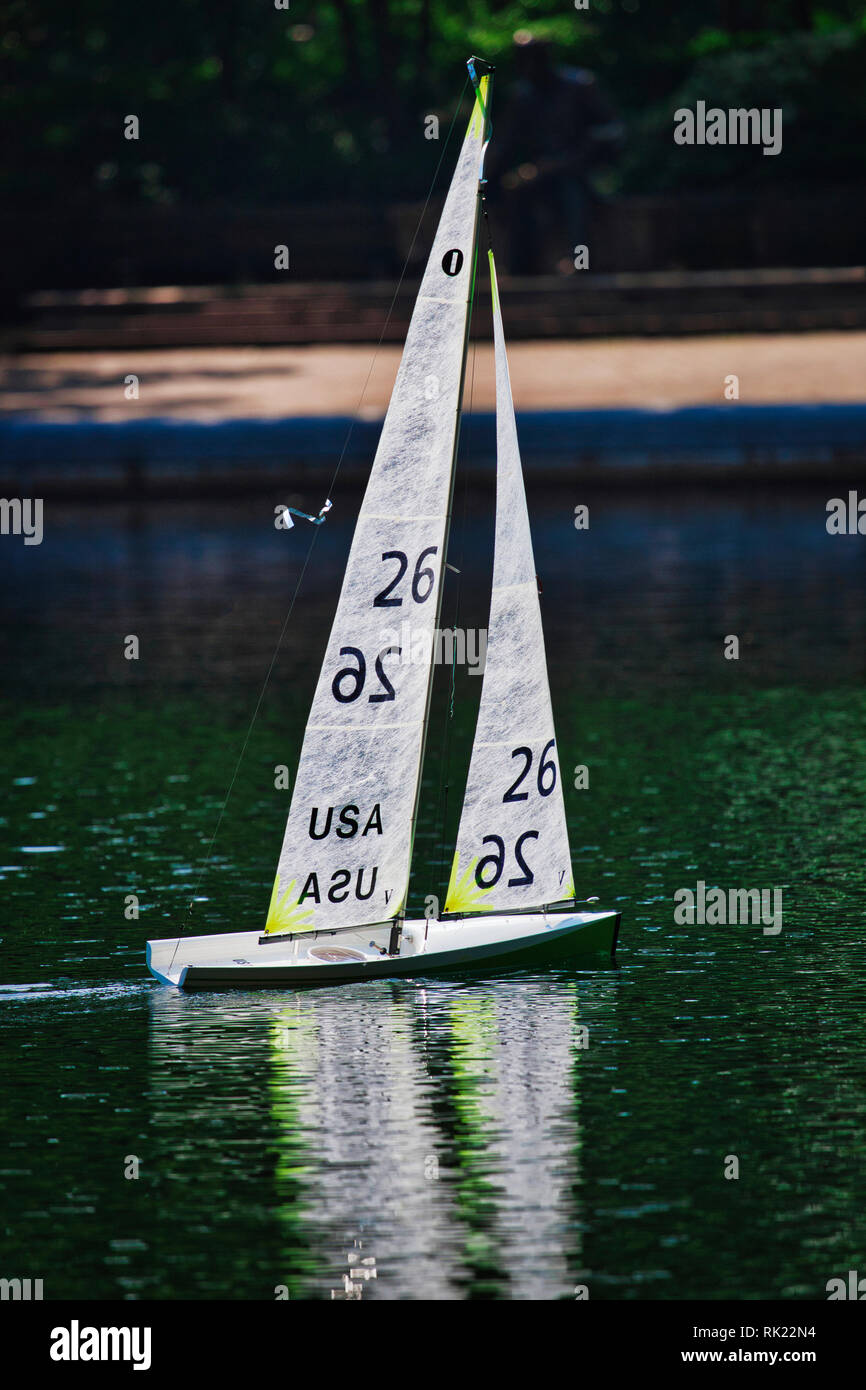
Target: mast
[483,85]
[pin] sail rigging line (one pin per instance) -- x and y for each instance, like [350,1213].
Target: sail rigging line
[390,312]
[203,869]
[331,489]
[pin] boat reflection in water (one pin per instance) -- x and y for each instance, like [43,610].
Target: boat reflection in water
[406,1142]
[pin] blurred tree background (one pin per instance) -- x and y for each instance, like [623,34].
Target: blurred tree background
[243,102]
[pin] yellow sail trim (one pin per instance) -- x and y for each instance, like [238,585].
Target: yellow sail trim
[474,1029]
[476,123]
[285,916]
[464,894]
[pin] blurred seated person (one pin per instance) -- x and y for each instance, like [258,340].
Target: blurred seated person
[554,130]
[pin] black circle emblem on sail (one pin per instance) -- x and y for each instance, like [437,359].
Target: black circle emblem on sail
[452,261]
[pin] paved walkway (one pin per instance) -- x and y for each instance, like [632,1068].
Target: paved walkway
[214,384]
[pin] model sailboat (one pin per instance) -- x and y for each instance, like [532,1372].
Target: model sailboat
[337,911]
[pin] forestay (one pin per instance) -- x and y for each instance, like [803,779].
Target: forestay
[348,841]
[512,845]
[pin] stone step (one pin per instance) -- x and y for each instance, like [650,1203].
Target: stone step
[582,305]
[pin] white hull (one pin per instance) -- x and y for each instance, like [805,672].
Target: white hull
[241,960]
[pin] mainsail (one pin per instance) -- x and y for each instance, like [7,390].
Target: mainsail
[348,842]
[512,845]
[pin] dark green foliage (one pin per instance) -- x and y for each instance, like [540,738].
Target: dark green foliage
[244,102]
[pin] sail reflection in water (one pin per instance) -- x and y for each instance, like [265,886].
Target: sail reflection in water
[411,1143]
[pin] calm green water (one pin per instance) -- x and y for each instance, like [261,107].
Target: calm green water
[448,1139]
